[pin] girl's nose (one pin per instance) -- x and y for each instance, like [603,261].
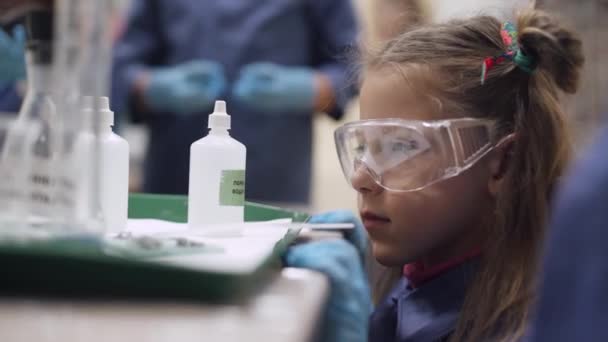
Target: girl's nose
[363,181]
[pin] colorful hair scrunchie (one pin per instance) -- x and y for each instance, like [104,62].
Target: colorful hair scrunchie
[513,53]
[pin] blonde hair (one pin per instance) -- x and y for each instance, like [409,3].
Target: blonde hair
[498,302]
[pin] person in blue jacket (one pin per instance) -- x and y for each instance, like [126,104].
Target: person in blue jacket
[573,298]
[12,67]
[460,145]
[275,62]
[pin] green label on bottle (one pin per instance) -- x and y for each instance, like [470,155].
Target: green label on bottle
[232,188]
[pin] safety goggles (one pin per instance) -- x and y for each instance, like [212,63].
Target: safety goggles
[409,155]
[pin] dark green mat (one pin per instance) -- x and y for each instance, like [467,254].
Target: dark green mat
[83,267]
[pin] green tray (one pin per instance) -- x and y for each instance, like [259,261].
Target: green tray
[175,208]
[82,267]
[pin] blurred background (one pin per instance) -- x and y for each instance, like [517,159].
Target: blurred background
[380,20]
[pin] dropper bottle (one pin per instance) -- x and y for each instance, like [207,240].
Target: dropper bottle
[216,193]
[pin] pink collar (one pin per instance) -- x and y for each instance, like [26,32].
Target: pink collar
[417,274]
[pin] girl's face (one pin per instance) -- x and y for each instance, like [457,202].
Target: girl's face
[441,221]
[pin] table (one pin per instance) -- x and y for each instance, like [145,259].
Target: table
[288,309]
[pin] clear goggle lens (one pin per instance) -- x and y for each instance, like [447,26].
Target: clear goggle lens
[402,155]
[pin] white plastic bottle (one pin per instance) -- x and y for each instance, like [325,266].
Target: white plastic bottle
[216,191]
[114,161]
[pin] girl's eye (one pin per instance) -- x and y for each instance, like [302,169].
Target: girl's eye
[405,146]
[360,149]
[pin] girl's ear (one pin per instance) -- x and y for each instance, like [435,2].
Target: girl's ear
[500,159]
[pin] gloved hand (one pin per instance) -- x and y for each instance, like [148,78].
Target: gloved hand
[276,89]
[349,307]
[349,304]
[12,55]
[187,88]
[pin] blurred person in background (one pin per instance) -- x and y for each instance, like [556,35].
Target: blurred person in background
[12,67]
[573,305]
[276,63]
[13,74]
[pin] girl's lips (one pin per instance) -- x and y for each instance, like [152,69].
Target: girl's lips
[373,221]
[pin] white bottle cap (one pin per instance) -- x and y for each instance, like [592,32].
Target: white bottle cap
[105,114]
[219,119]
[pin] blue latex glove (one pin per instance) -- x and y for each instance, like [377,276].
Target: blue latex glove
[12,55]
[349,306]
[276,89]
[187,88]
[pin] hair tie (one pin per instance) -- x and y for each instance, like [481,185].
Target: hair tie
[513,53]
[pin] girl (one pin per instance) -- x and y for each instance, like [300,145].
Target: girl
[460,145]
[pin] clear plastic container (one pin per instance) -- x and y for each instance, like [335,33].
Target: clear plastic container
[216,192]
[39,109]
[15,165]
[114,172]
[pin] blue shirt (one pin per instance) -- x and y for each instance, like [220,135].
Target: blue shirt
[428,313]
[573,298]
[10,101]
[314,33]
